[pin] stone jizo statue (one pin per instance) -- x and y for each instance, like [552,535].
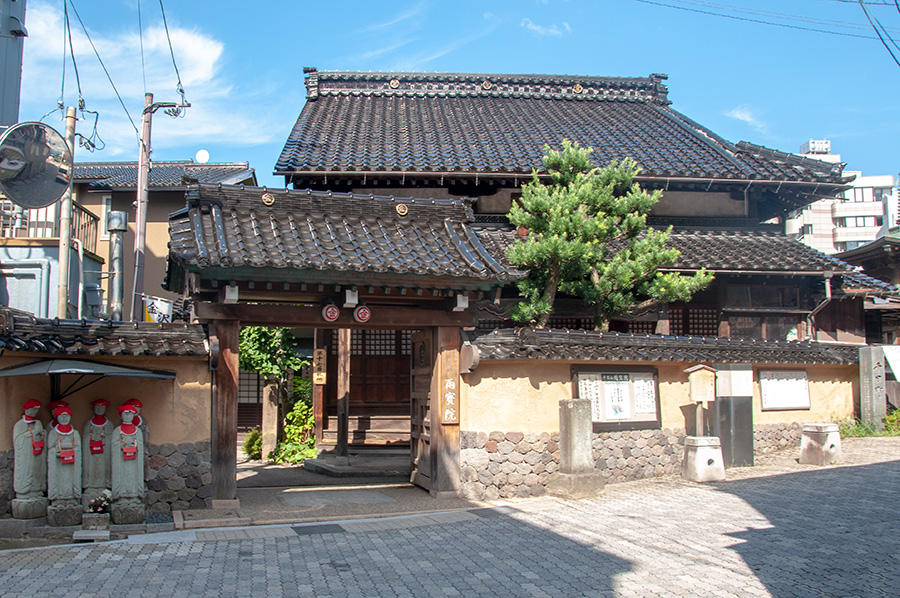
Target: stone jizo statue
[127,453]
[64,471]
[96,474]
[30,463]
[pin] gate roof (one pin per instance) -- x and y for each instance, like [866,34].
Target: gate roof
[237,233]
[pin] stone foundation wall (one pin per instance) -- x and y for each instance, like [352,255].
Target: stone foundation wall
[637,454]
[775,437]
[6,481]
[513,464]
[178,477]
[504,465]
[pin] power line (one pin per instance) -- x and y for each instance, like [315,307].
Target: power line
[877,31]
[141,37]
[180,87]
[758,21]
[105,70]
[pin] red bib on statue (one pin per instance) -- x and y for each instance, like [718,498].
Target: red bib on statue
[129,452]
[96,446]
[37,447]
[67,455]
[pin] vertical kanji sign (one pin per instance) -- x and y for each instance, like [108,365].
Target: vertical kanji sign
[319,366]
[449,387]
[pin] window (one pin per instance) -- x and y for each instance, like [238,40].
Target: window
[770,328]
[749,296]
[622,398]
[104,211]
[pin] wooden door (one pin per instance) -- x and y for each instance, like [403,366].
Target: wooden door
[420,416]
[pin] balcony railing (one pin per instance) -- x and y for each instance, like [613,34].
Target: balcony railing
[43,223]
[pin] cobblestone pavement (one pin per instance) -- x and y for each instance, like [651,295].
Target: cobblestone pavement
[778,529]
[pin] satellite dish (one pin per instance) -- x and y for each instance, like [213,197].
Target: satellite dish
[35,165]
[202,156]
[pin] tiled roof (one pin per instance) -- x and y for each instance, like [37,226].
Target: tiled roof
[737,251]
[178,173]
[25,333]
[493,124]
[605,346]
[228,227]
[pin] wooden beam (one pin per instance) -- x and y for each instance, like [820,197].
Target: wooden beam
[224,457]
[445,478]
[304,316]
[318,392]
[343,393]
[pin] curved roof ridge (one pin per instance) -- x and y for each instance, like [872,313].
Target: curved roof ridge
[583,87]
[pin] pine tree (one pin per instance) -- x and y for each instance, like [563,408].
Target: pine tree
[588,237]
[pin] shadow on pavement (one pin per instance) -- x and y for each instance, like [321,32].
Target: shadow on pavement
[834,531]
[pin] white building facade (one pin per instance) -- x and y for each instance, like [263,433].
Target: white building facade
[861,215]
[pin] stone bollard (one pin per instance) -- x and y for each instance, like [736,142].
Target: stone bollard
[576,477]
[820,444]
[703,460]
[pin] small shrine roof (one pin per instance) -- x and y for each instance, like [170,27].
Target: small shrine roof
[22,332]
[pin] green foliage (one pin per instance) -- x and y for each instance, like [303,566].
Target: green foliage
[892,423]
[588,237]
[269,351]
[299,440]
[854,428]
[253,444]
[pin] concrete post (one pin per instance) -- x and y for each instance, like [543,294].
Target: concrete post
[269,417]
[576,477]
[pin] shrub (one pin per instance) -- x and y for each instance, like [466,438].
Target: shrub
[892,423]
[253,444]
[299,440]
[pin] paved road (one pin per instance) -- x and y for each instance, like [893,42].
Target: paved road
[781,531]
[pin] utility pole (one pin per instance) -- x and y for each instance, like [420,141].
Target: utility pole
[65,225]
[12,41]
[143,194]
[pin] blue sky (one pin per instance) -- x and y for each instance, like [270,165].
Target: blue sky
[241,64]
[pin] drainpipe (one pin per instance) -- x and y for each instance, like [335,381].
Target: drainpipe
[80,313]
[44,265]
[820,306]
[116,224]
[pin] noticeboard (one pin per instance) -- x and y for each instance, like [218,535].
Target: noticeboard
[784,390]
[621,399]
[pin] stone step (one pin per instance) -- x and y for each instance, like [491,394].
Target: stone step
[91,535]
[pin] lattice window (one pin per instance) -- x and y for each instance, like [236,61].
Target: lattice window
[249,387]
[642,327]
[356,342]
[381,342]
[572,323]
[676,322]
[406,342]
[489,324]
[703,321]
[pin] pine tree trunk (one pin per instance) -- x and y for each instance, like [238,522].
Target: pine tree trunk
[549,295]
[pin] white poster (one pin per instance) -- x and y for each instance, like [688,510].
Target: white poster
[590,387]
[644,394]
[616,399]
[784,389]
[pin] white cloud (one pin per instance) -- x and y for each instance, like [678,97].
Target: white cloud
[553,29]
[745,114]
[223,109]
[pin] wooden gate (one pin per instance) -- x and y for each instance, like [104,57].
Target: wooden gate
[420,417]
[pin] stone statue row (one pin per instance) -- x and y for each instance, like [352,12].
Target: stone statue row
[59,472]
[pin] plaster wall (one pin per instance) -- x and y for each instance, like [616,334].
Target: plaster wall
[690,203]
[523,396]
[177,411]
